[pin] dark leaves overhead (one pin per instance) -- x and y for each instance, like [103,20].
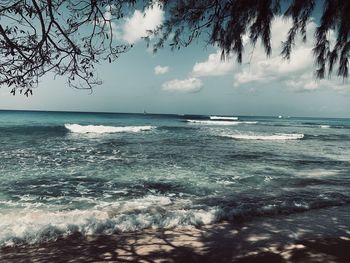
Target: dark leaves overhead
[64,37]
[336,16]
[224,24]
[70,37]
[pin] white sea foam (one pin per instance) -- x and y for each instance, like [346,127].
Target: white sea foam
[76,128]
[19,226]
[212,122]
[223,118]
[317,173]
[325,126]
[37,226]
[279,136]
[28,226]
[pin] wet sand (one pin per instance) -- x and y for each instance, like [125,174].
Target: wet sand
[321,235]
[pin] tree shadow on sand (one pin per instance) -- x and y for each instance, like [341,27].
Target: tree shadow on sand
[315,236]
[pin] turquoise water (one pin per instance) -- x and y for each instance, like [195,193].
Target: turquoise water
[96,173]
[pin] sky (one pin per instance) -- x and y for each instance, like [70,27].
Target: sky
[194,80]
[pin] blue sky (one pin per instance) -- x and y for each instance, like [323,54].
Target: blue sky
[195,80]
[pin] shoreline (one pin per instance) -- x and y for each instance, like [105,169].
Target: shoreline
[321,235]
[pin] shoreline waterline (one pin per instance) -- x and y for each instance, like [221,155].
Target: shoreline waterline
[306,234]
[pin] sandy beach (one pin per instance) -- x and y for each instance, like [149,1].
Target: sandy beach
[321,235]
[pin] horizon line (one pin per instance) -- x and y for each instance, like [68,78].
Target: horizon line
[174,114]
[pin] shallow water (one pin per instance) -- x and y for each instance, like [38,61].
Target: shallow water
[101,173]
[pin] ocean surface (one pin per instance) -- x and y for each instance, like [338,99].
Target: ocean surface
[96,173]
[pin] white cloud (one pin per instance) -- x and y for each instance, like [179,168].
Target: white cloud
[190,85]
[296,74]
[213,66]
[259,71]
[136,26]
[159,70]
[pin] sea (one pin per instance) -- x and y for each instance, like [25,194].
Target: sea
[63,173]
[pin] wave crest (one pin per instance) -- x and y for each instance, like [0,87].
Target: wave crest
[223,118]
[159,212]
[37,226]
[272,137]
[76,128]
[213,122]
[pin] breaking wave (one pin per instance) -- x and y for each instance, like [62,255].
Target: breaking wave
[223,118]
[213,122]
[158,212]
[37,225]
[273,137]
[76,128]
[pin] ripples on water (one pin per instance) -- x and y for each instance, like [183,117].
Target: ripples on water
[101,173]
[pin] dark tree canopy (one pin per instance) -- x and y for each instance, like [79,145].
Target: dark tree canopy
[68,37]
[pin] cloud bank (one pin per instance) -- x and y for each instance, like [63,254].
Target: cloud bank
[260,71]
[296,74]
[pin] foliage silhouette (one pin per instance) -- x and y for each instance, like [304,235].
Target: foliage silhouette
[70,37]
